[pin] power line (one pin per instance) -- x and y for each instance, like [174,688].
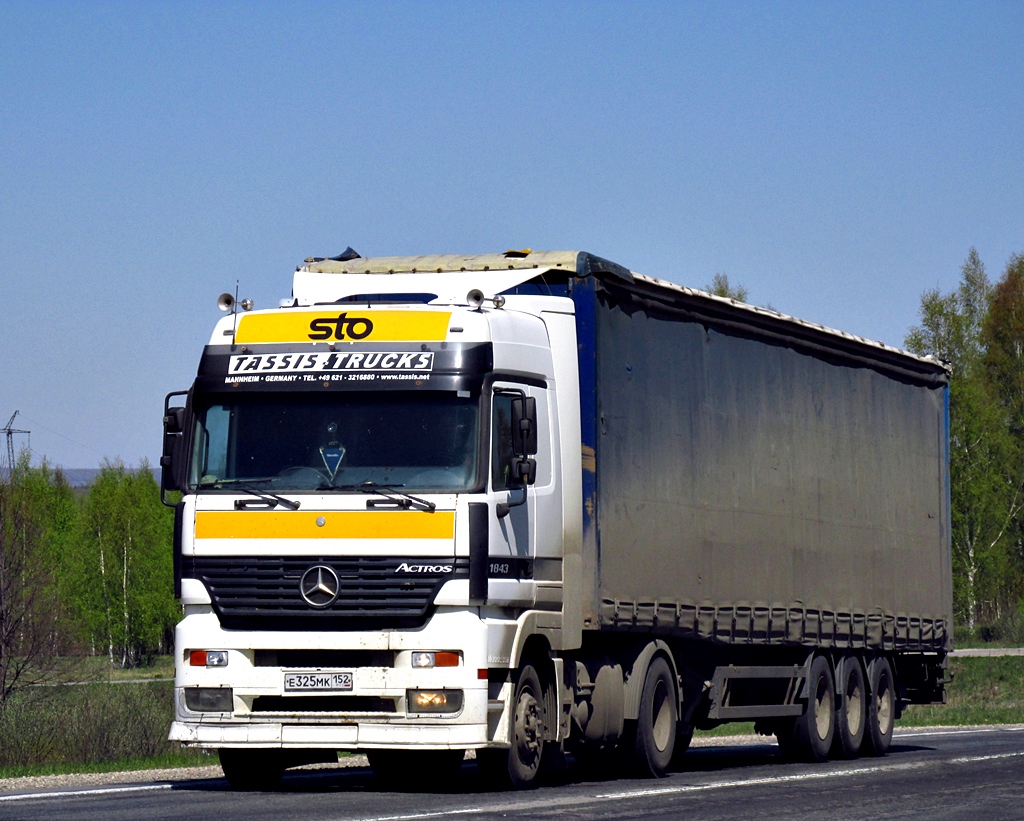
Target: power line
[7,429]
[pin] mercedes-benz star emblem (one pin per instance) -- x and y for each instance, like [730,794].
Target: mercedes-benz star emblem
[319,586]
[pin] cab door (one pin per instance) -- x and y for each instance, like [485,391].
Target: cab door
[518,424]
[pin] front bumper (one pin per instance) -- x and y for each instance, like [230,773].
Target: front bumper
[373,714]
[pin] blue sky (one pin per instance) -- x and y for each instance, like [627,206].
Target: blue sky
[837,159]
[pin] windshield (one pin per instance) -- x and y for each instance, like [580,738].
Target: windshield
[336,441]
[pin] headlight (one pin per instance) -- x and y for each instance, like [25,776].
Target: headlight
[209,699]
[208,658]
[434,701]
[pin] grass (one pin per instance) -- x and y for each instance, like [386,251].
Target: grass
[99,668]
[106,727]
[168,761]
[984,691]
[91,727]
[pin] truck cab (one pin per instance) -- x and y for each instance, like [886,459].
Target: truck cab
[375,515]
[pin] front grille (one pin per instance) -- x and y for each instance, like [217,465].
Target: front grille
[262,592]
[323,659]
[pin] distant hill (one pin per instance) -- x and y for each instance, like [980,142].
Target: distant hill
[83,477]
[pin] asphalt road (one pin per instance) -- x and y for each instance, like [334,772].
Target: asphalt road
[968,773]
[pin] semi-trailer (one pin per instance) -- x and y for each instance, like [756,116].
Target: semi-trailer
[535,503]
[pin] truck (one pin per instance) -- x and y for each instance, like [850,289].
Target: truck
[539,506]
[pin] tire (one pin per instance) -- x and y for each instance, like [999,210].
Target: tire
[657,722]
[809,736]
[684,735]
[785,734]
[518,766]
[851,711]
[881,708]
[415,769]
[249,770]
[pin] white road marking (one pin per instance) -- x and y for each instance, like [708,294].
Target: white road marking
[440,814]
[748,782]
[972,731]
[94,791]
[972,759]
[578,800]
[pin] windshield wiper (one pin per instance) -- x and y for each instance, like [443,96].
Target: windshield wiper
[243,485]
[402,499]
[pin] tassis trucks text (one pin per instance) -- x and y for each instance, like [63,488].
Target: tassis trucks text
[534,503]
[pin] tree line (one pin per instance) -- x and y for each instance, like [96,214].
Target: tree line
[82,572]
[90,572]
[978,328]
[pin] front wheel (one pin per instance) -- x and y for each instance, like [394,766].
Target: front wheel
[518,766]
[248,770]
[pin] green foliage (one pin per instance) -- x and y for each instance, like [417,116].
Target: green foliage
[81,574]
[123,589]
[37,515]
[974,328]
[1003,339]
[720,287]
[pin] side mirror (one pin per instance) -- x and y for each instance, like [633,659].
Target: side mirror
[524,426]
[170,457]
[174,421]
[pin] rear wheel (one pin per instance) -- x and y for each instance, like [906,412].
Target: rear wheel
[656,725]
[809,736]
[249,769]
[851,715]
[517,767]
[881,708]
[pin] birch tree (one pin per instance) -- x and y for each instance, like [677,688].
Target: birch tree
[986,489]
[37,514]
[126,601]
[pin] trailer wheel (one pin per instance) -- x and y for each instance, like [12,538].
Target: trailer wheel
[656,724]
[517,767]
[851,715]
[809,736]
[881,708]
[248,769]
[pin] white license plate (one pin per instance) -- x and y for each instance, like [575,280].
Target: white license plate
[318,681]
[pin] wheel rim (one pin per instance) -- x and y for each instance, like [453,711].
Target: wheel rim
[662,724]
[854,709]
[822,708]
[884,705]
[528,724]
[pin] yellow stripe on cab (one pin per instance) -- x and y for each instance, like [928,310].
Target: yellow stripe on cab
[345,524]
